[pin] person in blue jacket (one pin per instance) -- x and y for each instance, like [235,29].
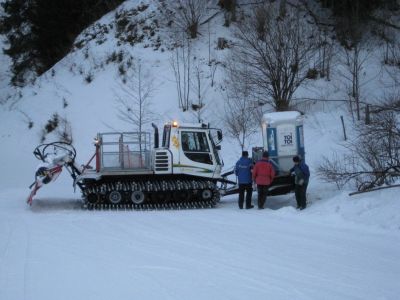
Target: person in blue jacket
[301,179]
[243,171]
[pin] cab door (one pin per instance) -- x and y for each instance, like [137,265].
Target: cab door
[195,154]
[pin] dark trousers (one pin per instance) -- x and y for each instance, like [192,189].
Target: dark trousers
[262,195]
[300,193]
[249,191]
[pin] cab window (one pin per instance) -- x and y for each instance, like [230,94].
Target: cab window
[166,135]
[195,146]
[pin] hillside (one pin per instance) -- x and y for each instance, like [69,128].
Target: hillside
[341,247]
[83,88]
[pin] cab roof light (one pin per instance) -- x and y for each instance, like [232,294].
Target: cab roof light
[174,124]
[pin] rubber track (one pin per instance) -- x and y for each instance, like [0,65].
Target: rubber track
[149,187]
[151,206]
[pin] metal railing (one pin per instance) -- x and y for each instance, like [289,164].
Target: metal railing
[125,151]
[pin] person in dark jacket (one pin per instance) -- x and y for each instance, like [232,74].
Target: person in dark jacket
[263,175]
[302,177]
[243,172]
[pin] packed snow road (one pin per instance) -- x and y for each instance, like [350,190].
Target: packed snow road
[56,251]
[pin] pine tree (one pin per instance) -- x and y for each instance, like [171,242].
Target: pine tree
[41,32]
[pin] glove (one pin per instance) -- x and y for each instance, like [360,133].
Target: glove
[254,186]
[301,182]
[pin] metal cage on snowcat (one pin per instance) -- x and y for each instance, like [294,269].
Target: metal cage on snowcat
[124,151]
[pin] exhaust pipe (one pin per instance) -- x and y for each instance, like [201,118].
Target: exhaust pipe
[156,138]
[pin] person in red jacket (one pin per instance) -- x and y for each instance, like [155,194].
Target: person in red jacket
[263,175]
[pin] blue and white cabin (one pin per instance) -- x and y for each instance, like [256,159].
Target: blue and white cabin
[283,138]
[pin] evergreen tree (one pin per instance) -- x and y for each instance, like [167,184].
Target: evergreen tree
[352,16]
[41,32]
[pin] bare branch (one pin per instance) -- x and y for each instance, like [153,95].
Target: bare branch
[239,109]
[277,49]
[181,62]
[188,15]
[134,97]
[374,153]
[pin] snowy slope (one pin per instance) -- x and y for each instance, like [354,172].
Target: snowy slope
[341,247]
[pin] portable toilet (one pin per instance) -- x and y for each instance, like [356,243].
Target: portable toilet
[283,138]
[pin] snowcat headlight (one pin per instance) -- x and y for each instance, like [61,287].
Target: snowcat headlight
[174,124]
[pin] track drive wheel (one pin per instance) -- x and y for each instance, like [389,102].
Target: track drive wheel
[206,194]
[114,197]
[138,197]
[93,198]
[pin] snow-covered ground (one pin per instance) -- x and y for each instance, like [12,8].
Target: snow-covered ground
[55,251]
[340,247]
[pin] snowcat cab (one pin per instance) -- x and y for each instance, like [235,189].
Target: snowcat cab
[193,149]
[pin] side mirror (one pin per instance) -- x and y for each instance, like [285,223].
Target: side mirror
[219,135]
[218,147]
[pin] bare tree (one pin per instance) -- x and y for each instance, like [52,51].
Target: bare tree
[181,63]
[134,97]
[373,158]
[324,22]
[276,49]
[199,87]
[392,61]
[187,15]
[356,51]
[58,126]
[387,35]
[212,61]
[393,57]
[354,60]
[239,118]
[190,79]
[325,52]
[64,131]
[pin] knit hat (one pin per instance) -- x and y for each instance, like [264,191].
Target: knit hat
[296,158]
[245,153]
[265,154]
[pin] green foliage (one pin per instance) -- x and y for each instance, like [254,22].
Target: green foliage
[41,32]
[351,16]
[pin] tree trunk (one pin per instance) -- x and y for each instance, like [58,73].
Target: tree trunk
[193,30]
